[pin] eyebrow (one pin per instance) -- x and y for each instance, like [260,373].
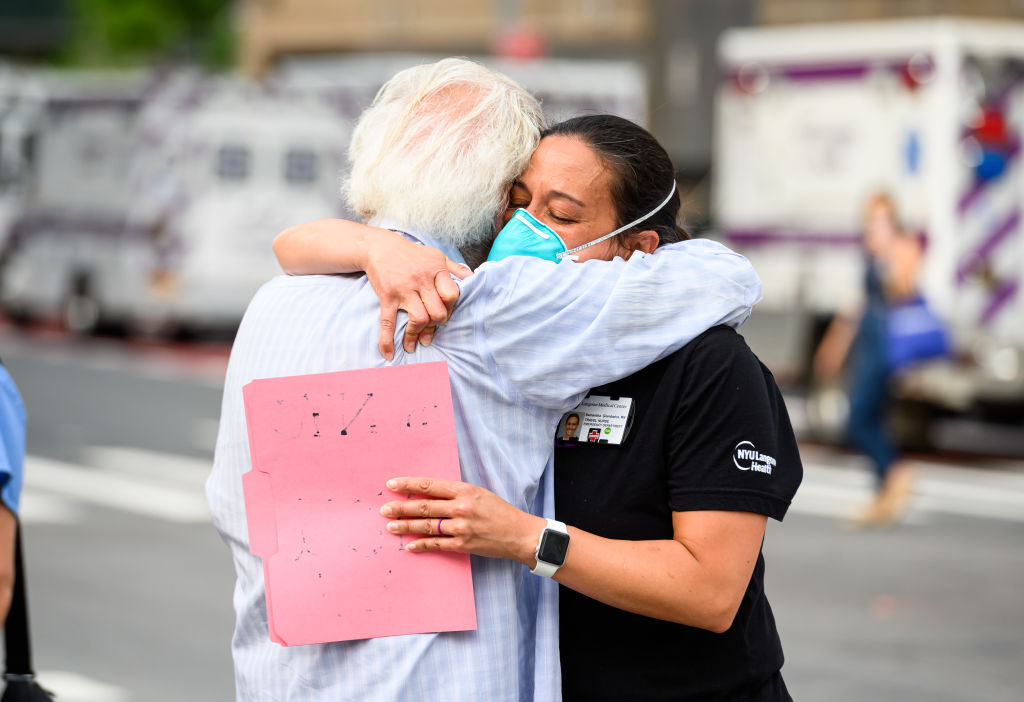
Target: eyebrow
[567,196]
[554,193]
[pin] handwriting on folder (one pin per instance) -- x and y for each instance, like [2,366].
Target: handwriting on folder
[322,448]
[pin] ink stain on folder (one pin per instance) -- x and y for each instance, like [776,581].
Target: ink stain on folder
[305,547]
[369,396]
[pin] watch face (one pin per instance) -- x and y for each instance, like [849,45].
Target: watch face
[553,546]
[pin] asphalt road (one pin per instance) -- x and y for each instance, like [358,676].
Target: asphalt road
[131,588]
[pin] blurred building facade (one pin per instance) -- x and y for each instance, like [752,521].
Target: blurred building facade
[797,11]
[274,29]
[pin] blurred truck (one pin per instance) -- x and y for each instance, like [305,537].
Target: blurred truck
[810,120]
[154,209]
[149,202]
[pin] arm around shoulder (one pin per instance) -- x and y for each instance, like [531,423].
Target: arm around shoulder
[326,246]
[556,330]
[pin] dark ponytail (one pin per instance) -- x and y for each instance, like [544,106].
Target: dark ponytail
[642,172]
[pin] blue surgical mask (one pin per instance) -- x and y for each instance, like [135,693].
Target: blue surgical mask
[525,235]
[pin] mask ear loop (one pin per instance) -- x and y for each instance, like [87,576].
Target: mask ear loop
[623,228]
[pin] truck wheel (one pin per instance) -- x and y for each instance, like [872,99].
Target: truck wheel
[81,313]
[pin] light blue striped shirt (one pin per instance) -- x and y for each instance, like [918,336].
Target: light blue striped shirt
[527,339]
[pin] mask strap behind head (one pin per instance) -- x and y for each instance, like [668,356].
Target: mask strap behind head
[623,228]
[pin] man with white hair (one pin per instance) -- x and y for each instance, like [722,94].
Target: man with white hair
[433,157]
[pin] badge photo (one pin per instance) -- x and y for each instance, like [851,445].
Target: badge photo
[569,428]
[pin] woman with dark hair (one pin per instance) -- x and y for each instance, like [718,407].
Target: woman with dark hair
[662,503]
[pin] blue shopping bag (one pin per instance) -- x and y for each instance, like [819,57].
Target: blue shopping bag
[914,333]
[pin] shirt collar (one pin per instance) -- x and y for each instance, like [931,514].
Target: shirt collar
[446,248]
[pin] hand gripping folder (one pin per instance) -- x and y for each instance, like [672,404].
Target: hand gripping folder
[322,448]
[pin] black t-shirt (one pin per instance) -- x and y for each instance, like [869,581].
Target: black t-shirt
[710,432]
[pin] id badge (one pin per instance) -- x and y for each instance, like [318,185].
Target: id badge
[599,419]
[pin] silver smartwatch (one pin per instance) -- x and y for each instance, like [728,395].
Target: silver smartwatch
[551,549]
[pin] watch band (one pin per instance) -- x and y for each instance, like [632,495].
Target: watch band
[543,568]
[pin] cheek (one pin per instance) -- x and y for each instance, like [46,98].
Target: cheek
[605,251]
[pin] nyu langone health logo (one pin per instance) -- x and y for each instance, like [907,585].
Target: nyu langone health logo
[746,457]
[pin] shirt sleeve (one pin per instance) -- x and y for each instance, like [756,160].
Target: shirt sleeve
[12,434]
[556,330]
[730,445]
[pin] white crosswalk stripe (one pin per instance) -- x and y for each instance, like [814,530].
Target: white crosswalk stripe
[148,483]
[832,490]
[38,507]
[72,687]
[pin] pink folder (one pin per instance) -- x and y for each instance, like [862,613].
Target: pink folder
[322,448]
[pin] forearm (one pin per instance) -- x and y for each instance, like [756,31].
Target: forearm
[327,246]
[662,579]
[659,579]
[840,334]
[831,353]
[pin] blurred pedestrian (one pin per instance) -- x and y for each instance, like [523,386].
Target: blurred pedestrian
[892,260]
[12,457]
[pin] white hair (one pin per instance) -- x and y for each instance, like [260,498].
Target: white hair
[438,148]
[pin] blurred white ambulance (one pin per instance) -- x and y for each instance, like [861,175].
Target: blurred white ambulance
[155,211]
[810,120]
